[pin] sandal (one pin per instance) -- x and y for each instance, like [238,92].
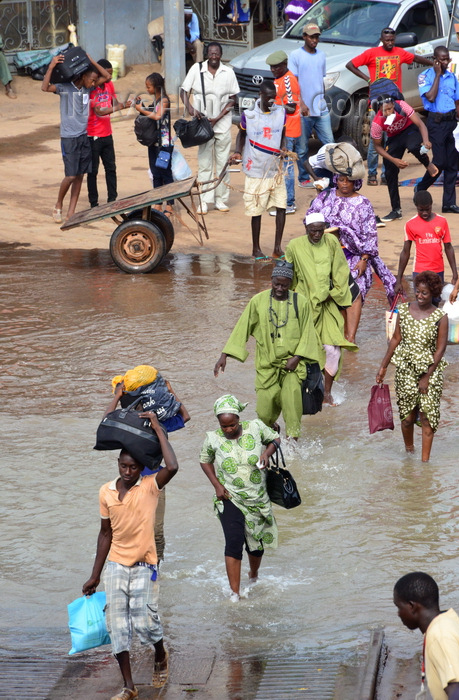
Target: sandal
[160,673]
[57,215]
[126,694]
[372,180]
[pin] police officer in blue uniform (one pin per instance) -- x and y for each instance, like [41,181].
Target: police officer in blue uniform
[439,89]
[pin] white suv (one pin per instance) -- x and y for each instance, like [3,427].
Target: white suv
[349,27]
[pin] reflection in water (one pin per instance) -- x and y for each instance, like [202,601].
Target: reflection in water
[70,321]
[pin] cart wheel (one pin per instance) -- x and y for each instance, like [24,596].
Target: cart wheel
[137,246]
[161,220]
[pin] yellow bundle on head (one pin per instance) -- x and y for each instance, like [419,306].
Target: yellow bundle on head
[139,376]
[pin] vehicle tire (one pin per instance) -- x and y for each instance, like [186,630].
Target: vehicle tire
[137,246]
[357,123]
[161,220]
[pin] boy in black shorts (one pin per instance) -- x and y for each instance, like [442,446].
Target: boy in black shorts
[76,148]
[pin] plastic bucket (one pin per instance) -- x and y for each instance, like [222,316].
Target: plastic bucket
[115,67]
[115,52]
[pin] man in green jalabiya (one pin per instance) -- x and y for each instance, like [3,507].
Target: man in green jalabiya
[321,274]
[281,323]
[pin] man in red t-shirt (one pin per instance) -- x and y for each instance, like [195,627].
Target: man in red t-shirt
[428,231]
[103,102]
[383,62]
[288,95]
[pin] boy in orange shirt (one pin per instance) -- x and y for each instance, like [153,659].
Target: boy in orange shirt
[288,95]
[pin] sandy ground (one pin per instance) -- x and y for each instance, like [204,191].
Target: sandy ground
[32,170]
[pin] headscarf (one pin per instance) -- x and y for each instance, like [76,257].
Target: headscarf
[228,404]
[357,183]
[139,376]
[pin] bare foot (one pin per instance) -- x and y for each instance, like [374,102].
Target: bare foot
[328,399]
[432,169]
[253,578]
[409,449]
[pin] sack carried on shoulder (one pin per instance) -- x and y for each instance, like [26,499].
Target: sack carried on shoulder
[194,132]
[146,130]
[280,484]
[380,416]
[124,429]
[312,390]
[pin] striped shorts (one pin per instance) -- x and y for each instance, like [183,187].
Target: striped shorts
[132,602]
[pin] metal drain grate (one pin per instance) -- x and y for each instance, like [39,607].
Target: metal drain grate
[310,678]
[26,677]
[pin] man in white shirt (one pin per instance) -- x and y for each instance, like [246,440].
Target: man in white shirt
[220,90]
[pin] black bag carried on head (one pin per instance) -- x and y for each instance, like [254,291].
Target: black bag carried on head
[312,390]
[124,429]
[75,62]
[197,131]
[280,484]
[386,87]
[147,131]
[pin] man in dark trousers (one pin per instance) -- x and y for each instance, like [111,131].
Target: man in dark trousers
[383,61]
[439,89]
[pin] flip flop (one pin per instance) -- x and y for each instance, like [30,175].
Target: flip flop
[278,257]
[160,674]
[57,215]
[261,257]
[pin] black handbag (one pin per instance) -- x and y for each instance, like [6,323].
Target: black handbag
[197,131]
[194,132]
[280,484]
[147,131]
[124,429]
[312,390]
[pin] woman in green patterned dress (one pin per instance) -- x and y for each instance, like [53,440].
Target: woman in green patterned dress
[233,459]
[417,347]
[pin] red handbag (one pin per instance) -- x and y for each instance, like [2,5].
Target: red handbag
[380,416]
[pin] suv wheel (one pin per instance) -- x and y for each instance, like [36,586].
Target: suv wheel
[357,123]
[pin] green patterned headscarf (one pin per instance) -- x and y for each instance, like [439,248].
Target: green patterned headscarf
[228,404]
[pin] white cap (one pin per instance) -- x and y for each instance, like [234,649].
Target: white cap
[314,218]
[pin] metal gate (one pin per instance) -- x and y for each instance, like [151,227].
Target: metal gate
[35,24]
[218,22]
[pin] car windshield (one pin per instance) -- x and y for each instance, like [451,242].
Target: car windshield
[453,40]
[354,22]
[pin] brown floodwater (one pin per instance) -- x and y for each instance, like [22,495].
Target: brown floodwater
[70,321]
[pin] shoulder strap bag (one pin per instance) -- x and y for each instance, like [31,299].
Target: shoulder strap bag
[197,131]
[280,484]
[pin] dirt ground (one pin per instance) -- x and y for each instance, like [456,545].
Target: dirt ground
[32,170]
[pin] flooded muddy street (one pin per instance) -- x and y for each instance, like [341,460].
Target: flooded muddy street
[71,321]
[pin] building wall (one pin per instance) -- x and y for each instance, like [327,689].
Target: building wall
[104,22]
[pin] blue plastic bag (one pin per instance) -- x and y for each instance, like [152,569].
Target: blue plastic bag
[87,622]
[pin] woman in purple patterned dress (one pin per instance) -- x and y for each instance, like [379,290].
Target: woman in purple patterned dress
[353,214]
